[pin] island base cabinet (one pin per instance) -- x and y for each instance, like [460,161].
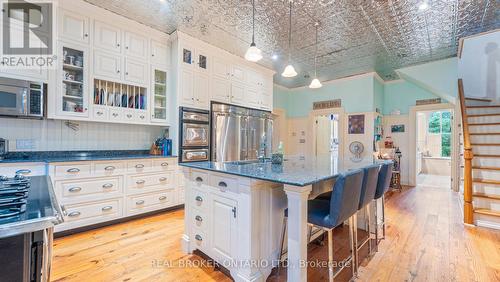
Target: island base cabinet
[224,233]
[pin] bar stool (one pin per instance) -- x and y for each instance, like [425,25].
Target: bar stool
[327,215]
[368,190]
[383,184]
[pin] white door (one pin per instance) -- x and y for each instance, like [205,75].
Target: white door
[136,71]
[238,74]
[238,93]
[224,213]
[159,53]
[201,90]
[221,68]
[107,37]
[107,65]
[136,45]
[73,26]
[186,78]
[221,89]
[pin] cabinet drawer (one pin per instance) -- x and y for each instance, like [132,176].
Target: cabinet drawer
[32,169]
[100,113]
[150,202]
[150,182]
[199,178]
[72,171]
[139,166]
[224,183]
[199,220]
[164,165]
[108,168]
[141,116]
[95,211]
[71,189]
[199,199]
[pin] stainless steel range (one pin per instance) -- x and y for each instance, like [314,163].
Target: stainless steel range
[13,195]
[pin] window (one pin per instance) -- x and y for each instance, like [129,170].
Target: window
[440,124]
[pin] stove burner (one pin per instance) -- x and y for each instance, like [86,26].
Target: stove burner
[13,195]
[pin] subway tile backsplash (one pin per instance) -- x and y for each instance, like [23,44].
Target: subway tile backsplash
[54,135]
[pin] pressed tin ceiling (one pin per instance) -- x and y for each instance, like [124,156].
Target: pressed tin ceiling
[355,36]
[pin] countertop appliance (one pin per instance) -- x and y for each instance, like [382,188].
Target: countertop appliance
[4,148]
[28,213]
[240,134]
[194,134]
[22,98]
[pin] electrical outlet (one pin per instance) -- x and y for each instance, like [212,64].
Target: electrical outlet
[25,144]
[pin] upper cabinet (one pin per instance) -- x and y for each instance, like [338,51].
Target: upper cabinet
[73,26]
[160,55]
[136,45]
[107,37]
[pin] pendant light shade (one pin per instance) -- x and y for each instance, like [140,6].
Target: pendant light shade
[253,53]
[315,83]
[289,69]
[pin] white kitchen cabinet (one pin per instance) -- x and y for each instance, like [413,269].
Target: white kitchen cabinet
[224,228]
[238,73]
[253,97]
[73,26]
[135,71]
[27,169]
[136,45]
[159,53]
[160,100]
[221,89]
[107,37]
[202,61]
[221,68]
[194,88]
[238,93]
[186,79]
[201,89]
[107,65]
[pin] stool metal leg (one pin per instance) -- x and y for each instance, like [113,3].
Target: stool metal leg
[330,255]
[369,221]
[383,216]
[353,247]
[354,228]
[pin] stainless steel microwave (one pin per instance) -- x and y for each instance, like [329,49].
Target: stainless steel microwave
[21,98]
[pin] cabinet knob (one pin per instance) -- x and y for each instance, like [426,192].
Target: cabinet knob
[115,114]
[100,113]
[198,238]
[142,117]
[129,116]
[86,35]
[198,218]
[126,47]
[107,208]
[118,45]
[126,73]
[199,199]
[117,71]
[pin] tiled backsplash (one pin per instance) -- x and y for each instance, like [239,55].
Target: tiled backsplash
[54,135]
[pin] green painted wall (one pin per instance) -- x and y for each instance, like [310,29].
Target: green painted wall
[280,97]
[379,97]
[401,95]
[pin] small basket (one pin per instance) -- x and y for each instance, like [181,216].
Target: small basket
[277,158]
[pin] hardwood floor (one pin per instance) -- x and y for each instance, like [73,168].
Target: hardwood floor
[426,241]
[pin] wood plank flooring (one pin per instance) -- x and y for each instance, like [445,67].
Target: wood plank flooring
[426,241]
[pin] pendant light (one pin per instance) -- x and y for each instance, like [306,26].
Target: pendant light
[315,83]
[253,53]
[289,69]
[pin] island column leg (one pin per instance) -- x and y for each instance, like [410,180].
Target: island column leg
[297,231]
[186,240]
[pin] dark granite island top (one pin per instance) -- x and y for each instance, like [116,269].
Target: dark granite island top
[294,172]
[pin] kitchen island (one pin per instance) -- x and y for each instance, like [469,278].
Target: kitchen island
[234,211]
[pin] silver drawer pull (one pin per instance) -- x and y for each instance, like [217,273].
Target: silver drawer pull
[199,179]
[129,116]
[141,202]
[222,184]
[107,208]
[164,164]
[23,171]
[162,198]
[107,186]
[163,179]
[139,182]
[75,189]
[74,214]
[115,114]
[198,238]
[100,113]
[198,218]
[73,170]
[199,199]
[109,168]
[139,166]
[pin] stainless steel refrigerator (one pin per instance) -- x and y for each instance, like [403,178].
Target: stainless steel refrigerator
[240,134]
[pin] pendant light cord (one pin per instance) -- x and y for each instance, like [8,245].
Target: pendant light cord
[253,21]
[290,34]
[316,53]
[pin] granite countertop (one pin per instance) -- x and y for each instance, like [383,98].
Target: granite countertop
[76,156]
[42,210]
[297,172]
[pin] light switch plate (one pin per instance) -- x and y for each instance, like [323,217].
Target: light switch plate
[25,144]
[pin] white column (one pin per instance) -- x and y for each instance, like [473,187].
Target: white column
[185,240]
[297,231]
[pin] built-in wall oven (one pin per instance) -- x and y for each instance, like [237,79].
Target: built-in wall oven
[194,135]
[21,98]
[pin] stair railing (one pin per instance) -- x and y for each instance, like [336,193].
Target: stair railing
[468,156]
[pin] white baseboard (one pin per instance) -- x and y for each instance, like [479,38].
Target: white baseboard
[488,224]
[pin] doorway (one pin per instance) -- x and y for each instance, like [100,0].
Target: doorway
[327,135]
[434,147]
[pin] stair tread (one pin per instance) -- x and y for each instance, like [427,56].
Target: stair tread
[486,196]
[482,106]
[483,115]
[485,144]
[487,212]
[477,99]
[484,123]
[486,181]
[485,156]
[484,133]
[486,167]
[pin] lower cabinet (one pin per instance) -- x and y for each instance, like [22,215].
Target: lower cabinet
[110,190]
[224,233]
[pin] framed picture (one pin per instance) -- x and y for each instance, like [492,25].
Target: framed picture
[398,128]
[357,124]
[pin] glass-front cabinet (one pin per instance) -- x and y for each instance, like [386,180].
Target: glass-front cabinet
[73,80]
[159,113]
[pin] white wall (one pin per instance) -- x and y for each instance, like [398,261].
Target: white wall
[54,135]
[401,140]
[479,66]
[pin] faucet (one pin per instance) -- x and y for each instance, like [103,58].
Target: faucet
[262,149]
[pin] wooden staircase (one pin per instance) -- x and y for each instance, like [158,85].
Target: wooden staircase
[481,153]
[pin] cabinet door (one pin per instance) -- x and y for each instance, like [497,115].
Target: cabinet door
[187,55]
[159,98]
[136,45]
[220,68]
[159,53]
[107,37]
[186,80]
[136,71]
[107,65]
[224,229]
[221,90]
[73,96]
[73,26]
[201,90]
[202,62]
[238,74]
[253,97]
[238,93]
